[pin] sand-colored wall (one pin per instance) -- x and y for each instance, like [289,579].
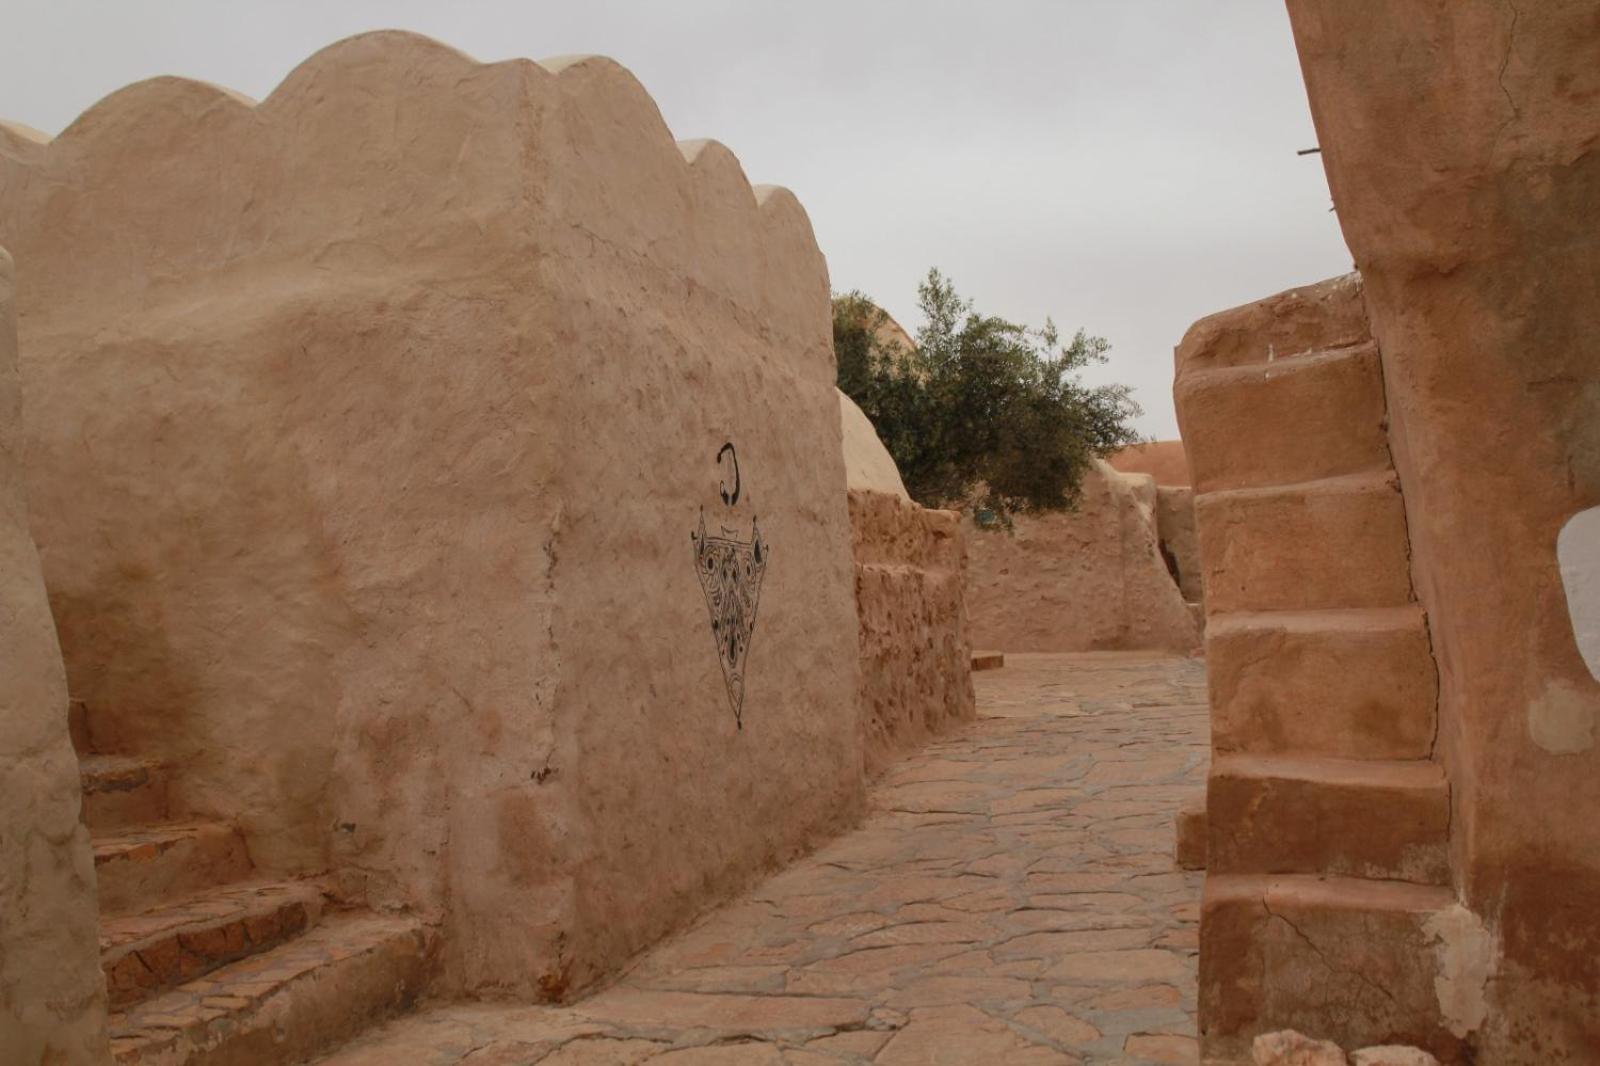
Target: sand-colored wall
[52,997]
[916,657]
[1460,141]
[375,427]
[1164,460]
[1092,579]
[1180,546]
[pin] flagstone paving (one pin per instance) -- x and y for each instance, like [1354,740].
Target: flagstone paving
[1011,898]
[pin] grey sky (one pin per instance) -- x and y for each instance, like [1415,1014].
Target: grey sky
[1123,165]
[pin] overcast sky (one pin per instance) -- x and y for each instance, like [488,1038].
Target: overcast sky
[1123,165]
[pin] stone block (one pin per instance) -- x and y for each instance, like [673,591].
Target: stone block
[1352,961]
[1339,817]
[1348,683]
[1305,418]
[1337,543]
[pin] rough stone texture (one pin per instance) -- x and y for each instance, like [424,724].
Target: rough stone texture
[1165,460]
[1088,580]
[372,426]
[1462,145]
[916,660]
[52,1001]
[1010,899]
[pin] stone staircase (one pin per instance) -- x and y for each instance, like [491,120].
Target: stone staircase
[1326,813]
[207,963]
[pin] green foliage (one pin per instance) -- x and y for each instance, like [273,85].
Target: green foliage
[983,412]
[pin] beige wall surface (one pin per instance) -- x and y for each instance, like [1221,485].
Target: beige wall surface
[1163,460]
[52,997]
[1460,141]
[378,425]
[916,657]
[1092,579]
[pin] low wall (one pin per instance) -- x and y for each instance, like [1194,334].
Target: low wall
[52,997]
[1087,580]
[1165,460]
[916,659]
[440,467]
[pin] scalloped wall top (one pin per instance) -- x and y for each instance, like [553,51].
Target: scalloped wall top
[386,147]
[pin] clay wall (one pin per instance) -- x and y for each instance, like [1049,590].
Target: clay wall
[1164,460]
[412,453]
[1327,905]
[1092,579]
[52,997]
[1460,141]
[916,658]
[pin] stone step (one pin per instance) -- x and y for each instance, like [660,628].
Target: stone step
[1336,817]
[988,660]
[1352,961]
[1328,314]
[144,867]
[143,954]
[1344,683]
[284,1005]
[1336,543]
[121,790]
[1306,418]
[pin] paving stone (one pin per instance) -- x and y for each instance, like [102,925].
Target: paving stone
[1011,898]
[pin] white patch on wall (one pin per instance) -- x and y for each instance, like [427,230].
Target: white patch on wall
[1578,550]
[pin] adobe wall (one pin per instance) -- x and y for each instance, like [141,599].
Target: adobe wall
[1328,904]
[1460,144]
[1167,461]
[413,453]
[910,561]
[1092,579]
[1164,460]
[52,997]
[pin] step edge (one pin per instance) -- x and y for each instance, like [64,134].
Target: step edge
[1209,377]
[1358,893]
[307,893]
[1418,775]
[1393,619]
[1359,483]
[122,837]
[385,930]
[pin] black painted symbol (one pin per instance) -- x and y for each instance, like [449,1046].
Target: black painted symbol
[730,572]
[722,487]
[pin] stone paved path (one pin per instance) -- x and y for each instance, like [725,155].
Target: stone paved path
[1011,899]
